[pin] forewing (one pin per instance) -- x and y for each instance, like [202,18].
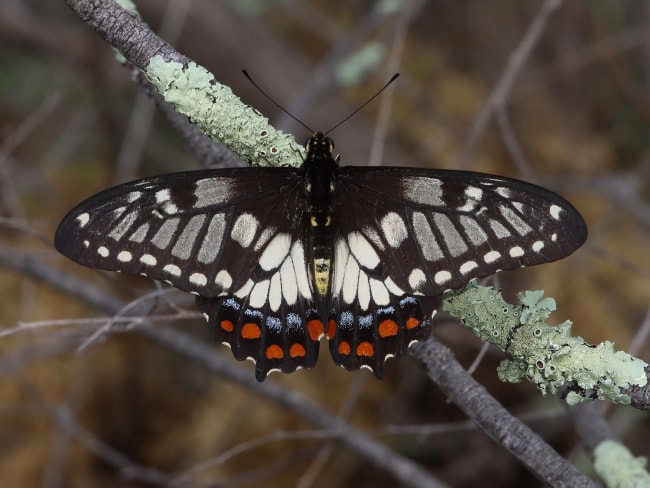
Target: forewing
[201,231]
[434,230]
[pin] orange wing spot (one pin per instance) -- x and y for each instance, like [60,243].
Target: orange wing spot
[297,351]
[412,323]
[274,352]
[344,348]
[227,325]
[331,330]
[365,349]
[388,328]
[315,328]
[251,331]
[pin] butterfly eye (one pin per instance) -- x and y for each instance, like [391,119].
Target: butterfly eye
[308,143]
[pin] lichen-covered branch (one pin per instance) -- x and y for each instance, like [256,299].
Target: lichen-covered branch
[618,467]
[215,109]
[549,356]
[190,88]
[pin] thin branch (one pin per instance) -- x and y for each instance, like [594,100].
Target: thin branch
[501,92]
[495,420]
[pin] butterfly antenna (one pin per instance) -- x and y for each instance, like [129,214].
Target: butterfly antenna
[274,102]
[393,78]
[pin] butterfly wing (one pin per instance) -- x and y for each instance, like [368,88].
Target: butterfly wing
[187,228]
[234,237]
[434,230]
[406,234]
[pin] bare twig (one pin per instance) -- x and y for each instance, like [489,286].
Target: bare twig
[501,92]
[495,420]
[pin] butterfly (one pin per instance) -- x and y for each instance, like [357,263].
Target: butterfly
[280,257]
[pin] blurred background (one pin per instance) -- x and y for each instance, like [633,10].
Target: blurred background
[573,114]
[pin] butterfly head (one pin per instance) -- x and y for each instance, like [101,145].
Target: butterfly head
[319,146]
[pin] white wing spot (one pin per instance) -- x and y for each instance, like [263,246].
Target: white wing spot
[362,250]
[198,279]
[491,256]
[212,239]
[133,196]
[515,220]
[170,208]
[124,256]
[425,237]
[499,230]
[555,211]
[423,190]
[473,195]
[553,237]
[148,259]
[276,251]
[394,229]
[516,252]
[263,238]
[212,191]
[245,290]
[164,235]
[417,278]
[474,192]
[538,246]
[83,219]
[288,281]
[299,262]
[123,226]
[350,281]
[140,233]
[86,243]
[467,266]
[442,277]
[162,195]
[379,292]
[363,291]
[392,287]
[223,279]
[185,242]
[102,251]
[275,293]
[259,294]
[244,229]
[373,236]
[341,256]
[172,269]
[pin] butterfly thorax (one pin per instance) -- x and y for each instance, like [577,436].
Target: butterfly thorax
[320,170]
[320,173]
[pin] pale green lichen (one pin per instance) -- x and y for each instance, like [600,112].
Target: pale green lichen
[213,107]
[548,356]
[128,5]
[618,468]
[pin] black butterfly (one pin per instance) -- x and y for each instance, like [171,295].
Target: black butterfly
[280,257]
